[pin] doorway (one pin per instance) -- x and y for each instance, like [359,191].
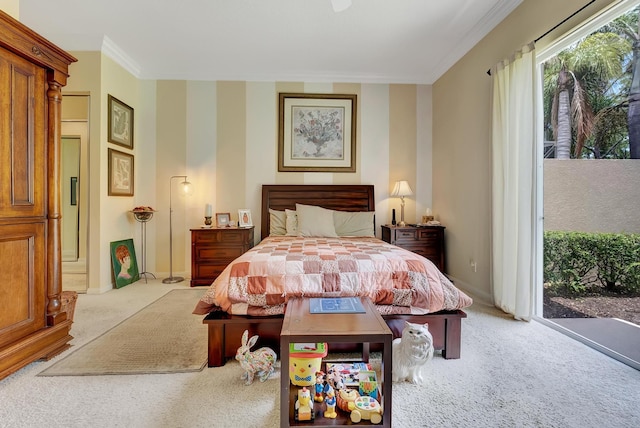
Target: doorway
[74,187]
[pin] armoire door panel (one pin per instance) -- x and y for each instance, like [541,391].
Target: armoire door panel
[22,137]
[22,280]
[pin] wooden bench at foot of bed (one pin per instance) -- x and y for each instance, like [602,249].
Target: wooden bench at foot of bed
[225,332]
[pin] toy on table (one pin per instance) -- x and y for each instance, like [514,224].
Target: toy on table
[345,399]
[330,401]
[366,408]
[368,383]
[304,406]
[319,387]
[334,378]
[305,360]
[260,361]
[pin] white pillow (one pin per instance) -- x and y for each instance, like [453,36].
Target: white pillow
[315,221]
[354,223]
[291,223]
[277,223]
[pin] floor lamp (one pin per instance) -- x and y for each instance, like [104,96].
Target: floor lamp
[186,188]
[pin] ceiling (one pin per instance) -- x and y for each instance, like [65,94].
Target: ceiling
[385,41]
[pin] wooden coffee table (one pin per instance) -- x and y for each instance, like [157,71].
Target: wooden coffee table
[301,326]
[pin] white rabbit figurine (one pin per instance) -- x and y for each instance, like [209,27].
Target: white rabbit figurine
[260,361]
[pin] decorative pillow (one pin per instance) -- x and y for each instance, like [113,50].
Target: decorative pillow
[277,223]
[315,221]
[291,223]
[354,223]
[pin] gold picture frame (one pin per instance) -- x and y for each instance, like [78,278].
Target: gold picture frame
[120,123]
[317,132]
[120,173]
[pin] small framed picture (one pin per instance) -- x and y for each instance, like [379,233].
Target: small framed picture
[119,123]
[244,218]
[222,219]
[120,173]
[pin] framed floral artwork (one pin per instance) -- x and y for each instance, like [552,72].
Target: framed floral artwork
[317,132]
[120,173]
[120,123]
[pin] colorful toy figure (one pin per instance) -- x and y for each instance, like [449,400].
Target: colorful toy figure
[335,379]
[366,408]
[345,399]
[319,387]
[258,362]
[304,406]
[330,401]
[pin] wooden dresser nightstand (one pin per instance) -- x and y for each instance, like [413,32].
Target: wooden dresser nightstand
[213,249]
[428,241]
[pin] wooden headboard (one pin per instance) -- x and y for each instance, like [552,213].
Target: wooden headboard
[341,197]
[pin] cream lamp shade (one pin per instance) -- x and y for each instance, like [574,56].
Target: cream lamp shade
[402,189]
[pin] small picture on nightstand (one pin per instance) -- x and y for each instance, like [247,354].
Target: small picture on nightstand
[222,219]
[244,218]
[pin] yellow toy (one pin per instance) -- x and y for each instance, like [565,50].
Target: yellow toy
[304,406]
[345,399]
[330,401]
[366,408]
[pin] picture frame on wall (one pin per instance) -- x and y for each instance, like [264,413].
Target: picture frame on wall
[244,218]
[317,132]
[120,173]
[120,123]
[125,264]
[223,219]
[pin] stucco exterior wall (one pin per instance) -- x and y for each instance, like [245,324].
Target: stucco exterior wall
[592,195]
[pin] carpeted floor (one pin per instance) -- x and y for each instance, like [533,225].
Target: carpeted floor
[163,337]
[511,374]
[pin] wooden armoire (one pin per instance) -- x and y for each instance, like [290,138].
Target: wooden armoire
[32,74]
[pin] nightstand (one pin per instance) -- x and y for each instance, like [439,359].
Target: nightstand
[428,241]
[213,249]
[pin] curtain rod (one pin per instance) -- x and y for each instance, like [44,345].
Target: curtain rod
[558,24]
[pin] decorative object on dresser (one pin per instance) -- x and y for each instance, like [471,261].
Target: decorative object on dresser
[213,249]
[401,189]
[244,218]
[428,241]
[208,211]
[222,219]
[317,132]
[186,189]
[120,123]
[33,321]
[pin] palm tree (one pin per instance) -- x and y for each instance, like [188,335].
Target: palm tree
[588,67]
[628,26]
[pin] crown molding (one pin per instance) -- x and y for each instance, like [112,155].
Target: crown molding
[113,51]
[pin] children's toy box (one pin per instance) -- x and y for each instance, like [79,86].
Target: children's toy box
[305,359]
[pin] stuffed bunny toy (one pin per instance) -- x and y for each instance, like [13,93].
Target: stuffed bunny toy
[260,361]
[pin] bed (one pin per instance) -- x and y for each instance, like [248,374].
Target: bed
[252,292]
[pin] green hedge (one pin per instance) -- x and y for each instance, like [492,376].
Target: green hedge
[590,262]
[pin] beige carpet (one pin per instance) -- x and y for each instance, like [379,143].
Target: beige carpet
[163,337]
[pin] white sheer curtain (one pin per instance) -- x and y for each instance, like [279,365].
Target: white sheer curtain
[513,219]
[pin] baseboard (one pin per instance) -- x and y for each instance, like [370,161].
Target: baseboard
[477,296]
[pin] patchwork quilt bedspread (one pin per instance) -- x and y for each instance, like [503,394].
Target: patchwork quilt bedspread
[398,281]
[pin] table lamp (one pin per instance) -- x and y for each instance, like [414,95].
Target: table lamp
[401,189]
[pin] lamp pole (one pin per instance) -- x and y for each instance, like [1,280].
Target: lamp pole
[173,279]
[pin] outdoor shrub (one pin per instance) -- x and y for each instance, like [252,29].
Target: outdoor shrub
[575,261]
